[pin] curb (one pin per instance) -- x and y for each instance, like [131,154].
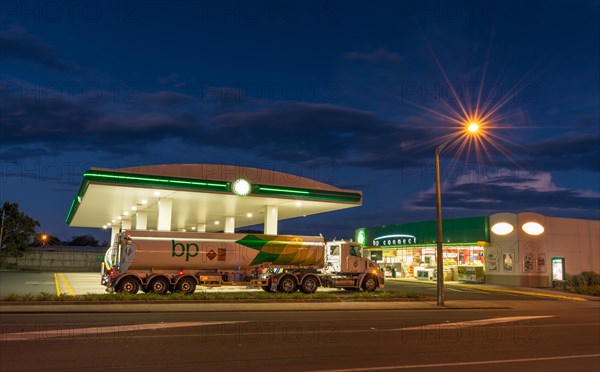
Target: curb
[242,307]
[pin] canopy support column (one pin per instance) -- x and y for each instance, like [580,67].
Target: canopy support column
[230,225]
[141,221]
[271,215]
[113,233]
[165,208]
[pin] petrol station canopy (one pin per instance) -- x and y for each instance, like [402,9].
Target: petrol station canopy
[200,197]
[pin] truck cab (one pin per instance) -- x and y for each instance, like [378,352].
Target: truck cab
[344,257]
[348,268]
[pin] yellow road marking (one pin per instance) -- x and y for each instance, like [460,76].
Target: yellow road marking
[511,291]
[535,294]
[68,285]
[57,285]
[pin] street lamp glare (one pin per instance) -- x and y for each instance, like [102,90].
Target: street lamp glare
[473,127]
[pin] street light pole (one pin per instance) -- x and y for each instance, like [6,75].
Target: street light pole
[440,250]
[472,128]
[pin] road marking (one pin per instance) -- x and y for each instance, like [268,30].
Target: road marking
[96,331]
[534,294]
[57,285]
[472,323]
[332,330]
[437,365]
[498,290]
[67,283]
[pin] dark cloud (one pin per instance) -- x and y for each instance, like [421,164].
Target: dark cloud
[16,43]
[297,132]
[76,124]
[165,99]
[532,192]
[171,80]
[378,55]
[565,152]
[305,132]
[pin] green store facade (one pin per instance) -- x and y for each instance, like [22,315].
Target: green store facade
[409,250]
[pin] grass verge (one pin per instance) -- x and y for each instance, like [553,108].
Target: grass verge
[205,296]
[386,295]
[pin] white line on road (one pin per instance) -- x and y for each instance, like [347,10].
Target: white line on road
[73,332]
[438,365]
[328,331]
[95,331]
[472,323]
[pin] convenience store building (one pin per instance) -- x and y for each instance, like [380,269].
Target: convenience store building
[520,249]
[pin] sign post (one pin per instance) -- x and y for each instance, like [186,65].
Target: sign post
[558,272]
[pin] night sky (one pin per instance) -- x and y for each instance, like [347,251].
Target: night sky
[355,93]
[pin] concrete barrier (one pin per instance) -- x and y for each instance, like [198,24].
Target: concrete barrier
[72,259]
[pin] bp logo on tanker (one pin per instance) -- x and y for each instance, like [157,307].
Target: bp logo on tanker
[179,250]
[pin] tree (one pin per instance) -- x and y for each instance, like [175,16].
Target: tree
[84,241]
[16,229]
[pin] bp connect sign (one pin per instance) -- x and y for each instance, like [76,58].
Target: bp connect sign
[395,239]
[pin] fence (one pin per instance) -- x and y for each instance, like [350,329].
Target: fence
[74,259]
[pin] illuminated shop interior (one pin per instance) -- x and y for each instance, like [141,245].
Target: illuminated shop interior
[409,250]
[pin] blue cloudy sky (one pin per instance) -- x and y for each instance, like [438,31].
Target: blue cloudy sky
[355,93]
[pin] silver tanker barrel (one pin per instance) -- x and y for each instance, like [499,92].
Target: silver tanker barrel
[152,250]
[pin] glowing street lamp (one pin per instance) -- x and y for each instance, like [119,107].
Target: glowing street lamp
[472,128]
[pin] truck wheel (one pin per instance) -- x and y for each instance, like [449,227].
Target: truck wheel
[128,285]
[309,285]
[159,285]
[186,285]
[369,284]
[287,284]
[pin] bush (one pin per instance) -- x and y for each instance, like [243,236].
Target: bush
[587,283]
[593,290]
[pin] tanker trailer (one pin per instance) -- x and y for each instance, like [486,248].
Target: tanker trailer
[159,262]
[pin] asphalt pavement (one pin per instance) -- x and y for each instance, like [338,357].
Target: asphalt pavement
[481,327]
[554,335]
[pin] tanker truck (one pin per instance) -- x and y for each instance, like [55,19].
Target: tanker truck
[159,262]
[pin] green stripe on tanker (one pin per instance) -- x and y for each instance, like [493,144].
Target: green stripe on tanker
[284,250]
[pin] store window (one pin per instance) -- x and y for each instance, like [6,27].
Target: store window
[376,256]
[406,262]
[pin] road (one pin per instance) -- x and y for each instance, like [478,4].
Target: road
[21,282]
[491,331]
[532,336]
